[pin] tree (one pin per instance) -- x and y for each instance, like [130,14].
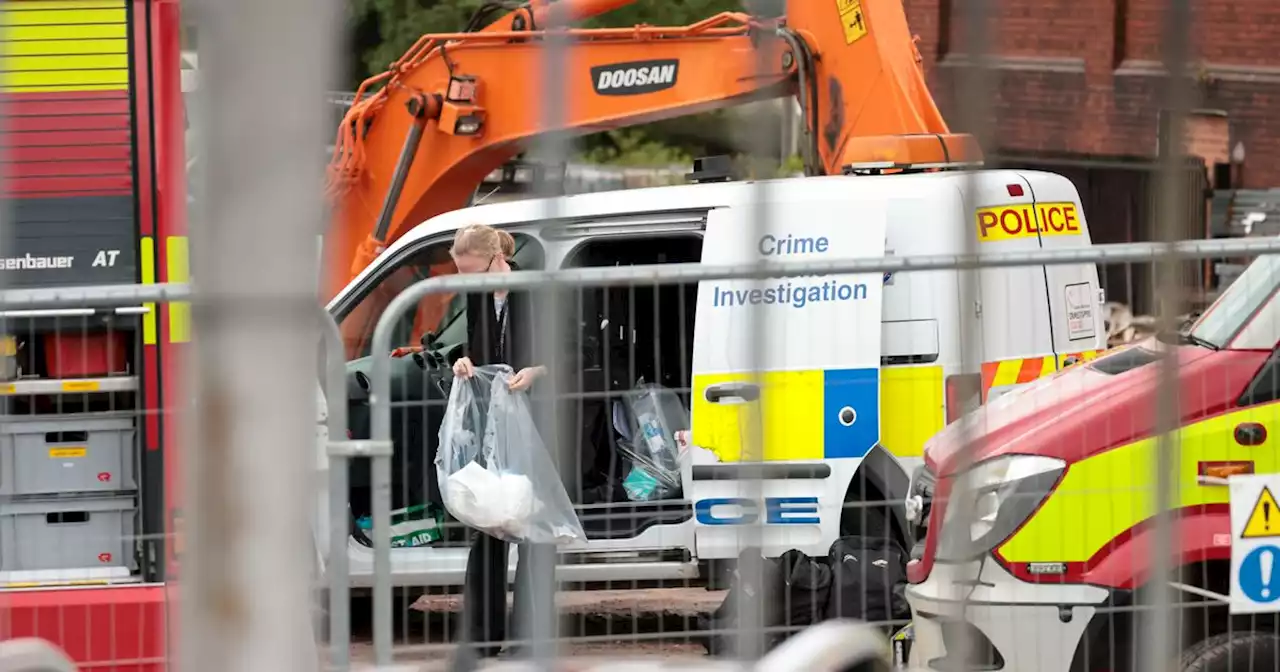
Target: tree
[384,29]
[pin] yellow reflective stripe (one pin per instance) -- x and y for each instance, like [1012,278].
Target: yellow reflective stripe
[1104,495]
[911,408]
[1048,367]
[64,46]
[178,271]
[147,257]
[1007,373]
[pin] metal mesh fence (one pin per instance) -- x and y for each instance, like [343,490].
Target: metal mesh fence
[906,412]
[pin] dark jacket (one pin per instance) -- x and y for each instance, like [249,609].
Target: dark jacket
[485,342]
[520,350]
[520,347]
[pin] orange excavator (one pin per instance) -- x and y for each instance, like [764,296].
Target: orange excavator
[421,136]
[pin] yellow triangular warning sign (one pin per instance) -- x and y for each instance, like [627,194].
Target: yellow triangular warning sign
[1264,521]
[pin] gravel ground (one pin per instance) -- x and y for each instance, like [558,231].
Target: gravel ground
[689,602]
[598,627]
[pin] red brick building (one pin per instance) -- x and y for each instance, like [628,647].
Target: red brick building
[1078,91]
[1083,77]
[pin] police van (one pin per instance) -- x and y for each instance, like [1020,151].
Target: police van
[854,373]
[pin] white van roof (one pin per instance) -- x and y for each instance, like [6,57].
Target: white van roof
[683,197]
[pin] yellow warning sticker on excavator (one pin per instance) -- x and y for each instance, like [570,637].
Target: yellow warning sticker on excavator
[1264,520]
[852,20]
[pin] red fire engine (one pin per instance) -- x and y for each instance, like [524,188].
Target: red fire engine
[95,181]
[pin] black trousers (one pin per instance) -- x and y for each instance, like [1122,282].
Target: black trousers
[484,594]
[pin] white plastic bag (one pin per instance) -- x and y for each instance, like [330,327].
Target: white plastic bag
[496,474]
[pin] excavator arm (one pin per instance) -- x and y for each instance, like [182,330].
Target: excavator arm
[421,136]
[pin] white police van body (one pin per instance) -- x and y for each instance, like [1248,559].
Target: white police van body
[839,379]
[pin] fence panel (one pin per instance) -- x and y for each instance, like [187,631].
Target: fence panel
[967,430]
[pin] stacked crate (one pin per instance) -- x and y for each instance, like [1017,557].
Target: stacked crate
[68,461]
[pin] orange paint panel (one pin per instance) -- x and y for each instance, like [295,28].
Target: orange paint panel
[1030,369]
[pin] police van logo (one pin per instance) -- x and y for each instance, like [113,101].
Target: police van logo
[635,77]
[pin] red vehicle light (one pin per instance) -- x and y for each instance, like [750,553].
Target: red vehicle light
[1014,189]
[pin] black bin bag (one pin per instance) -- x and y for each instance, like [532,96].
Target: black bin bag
[792,593]
[868,581]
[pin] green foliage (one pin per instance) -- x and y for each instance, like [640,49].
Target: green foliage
[794,165]
[663,13]
[397,24]
[632,147]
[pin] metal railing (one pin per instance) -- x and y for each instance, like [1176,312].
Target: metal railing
[288,509]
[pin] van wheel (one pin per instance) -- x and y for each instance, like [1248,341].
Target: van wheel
[1233,652]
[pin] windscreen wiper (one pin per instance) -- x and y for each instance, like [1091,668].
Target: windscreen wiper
[1192,339]
[1185,338]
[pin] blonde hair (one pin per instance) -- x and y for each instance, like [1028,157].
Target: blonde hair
[483,240]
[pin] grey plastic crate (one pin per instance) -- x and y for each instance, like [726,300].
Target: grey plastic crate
[67,533]
[70,454]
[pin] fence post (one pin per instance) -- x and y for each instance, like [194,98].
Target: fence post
[246,589]
[337,568]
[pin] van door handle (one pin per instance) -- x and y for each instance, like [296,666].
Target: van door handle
[732,393]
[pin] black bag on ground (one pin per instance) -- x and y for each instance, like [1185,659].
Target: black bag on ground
[792,593]
[868,580]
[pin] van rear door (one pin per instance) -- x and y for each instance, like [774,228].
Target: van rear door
[1017,335]
[1074,306]
[808,396]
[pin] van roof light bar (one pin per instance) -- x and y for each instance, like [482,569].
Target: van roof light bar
[711,169]
[880,167]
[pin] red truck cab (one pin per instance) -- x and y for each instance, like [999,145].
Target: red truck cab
[1061,491]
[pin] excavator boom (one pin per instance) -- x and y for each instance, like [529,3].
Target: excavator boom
[421,136]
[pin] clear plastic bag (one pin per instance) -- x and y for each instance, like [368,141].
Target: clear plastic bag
[656,414]
[494,471]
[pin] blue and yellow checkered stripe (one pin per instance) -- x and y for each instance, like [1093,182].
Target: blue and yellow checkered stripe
[798,416]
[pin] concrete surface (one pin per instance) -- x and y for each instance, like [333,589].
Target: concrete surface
[575,657]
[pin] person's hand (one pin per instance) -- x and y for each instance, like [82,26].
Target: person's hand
[525,377]
[463,368]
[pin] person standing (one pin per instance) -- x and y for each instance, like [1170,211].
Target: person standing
[500,330]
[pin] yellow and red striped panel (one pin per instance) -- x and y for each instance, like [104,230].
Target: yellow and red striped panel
[65,81]
[1024,370]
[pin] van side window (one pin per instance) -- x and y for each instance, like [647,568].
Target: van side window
[621,325]
[442,314]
